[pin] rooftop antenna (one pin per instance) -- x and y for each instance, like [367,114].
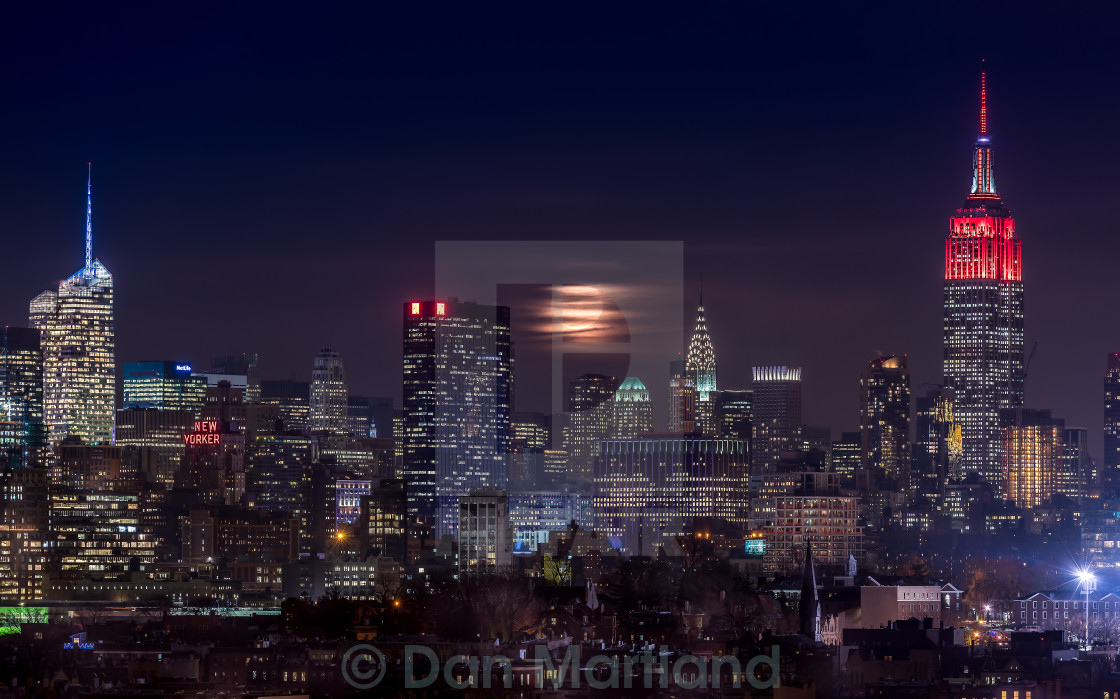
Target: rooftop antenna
[88,269]
[983,98]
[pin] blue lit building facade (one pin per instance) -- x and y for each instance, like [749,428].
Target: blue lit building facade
[22,437]
[163,385]
[457,376]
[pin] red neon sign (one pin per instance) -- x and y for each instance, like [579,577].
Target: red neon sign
[205,433]
[415,308]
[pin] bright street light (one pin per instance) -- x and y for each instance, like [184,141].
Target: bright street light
[1088,583]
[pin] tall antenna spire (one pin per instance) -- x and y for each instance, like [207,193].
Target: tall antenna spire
[88,269]
[983,98]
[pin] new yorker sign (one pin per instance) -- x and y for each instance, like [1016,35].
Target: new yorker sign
[205,433]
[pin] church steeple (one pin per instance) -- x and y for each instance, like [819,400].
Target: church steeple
[809,606]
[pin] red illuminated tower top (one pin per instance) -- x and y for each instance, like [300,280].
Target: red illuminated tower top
[981,243]
[983,184]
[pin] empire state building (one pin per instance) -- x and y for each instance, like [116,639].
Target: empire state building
[983,312]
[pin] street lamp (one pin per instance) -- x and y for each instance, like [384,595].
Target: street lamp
[1088,582]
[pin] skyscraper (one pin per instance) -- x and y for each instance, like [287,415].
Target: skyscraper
[161,431]
[1110,472]
[163,385]
[290,399]
[658,485]
[359,417]
[329,399]
[246,364]
[936,455]
[632,411]
[590,402]
[485,541]
[384,520]
[530,434]
[1032,455]
[79,373]
[776,424]
[983,312]
[884,417]
[700,365]
[455,431]
[847,457]
[682,399]
[21,397]
[1078,476]
[733,410]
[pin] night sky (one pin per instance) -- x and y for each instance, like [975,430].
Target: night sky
[274,179]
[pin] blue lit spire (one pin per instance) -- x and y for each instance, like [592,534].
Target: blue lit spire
[87,271]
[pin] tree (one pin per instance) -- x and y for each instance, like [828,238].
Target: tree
[335,613]
[557,571]
[999,581]
[502,602]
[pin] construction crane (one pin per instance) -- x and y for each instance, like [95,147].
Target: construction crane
[1027,366]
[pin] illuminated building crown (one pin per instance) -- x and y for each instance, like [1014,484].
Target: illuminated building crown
[983,181]
[701,359]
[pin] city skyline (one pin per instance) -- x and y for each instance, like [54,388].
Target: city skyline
[700,336]
[910,114]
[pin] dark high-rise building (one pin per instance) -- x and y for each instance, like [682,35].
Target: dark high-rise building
[776,423]
[733,413]
[816,446]
[25,538]
[1110,469]
[213,465]
[936,456]
[1078,475]
[590,399]
[381,417]
[163,385]
[92,467]
[328,397]
[359,417]
[22,436]
[983,312]
[384,520]
[279,473]
[160,430]
[847,457]
[682,398]
[246,364]
[884,418]
[530,435]
[456,405]
[239,534]
[225,403]
[291,401]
